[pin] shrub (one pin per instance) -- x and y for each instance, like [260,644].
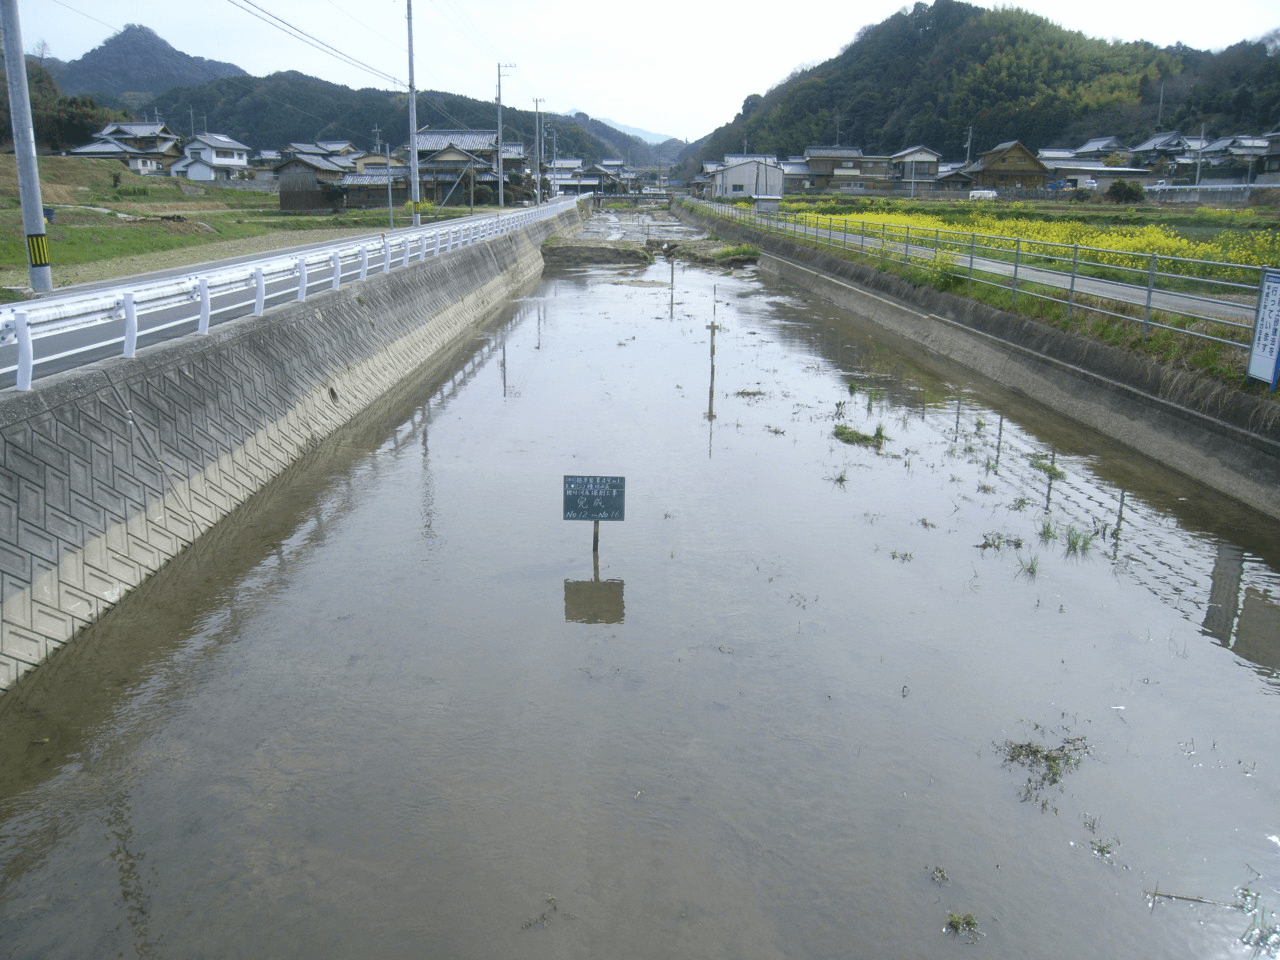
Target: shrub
[1125,191]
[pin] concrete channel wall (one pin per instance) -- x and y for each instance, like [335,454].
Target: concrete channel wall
[110,471]
[1219,436]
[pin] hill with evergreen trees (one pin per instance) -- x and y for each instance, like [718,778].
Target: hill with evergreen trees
[132,66]
[930,74]
[291,107]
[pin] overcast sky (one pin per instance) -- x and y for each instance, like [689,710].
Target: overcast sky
[679,69]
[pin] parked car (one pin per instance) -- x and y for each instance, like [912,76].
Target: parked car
[982,194]
[1091,185]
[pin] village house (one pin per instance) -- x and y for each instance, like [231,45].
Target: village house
[449,160]
[916,167]
[752,178]
[145,148]
[211,156]
[309,181]
[1008,166]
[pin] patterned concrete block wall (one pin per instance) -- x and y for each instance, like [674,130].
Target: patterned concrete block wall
[108,472]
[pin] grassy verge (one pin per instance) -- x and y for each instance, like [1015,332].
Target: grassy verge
[1115,323]
[110,223]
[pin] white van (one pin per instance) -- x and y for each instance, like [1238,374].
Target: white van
[982,194]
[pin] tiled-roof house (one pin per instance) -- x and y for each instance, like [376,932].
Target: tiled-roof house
[146,148]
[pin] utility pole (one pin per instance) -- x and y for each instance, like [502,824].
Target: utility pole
[1199,151]
[24,150]
[414,186]
[537,151]
[377,143]
[497,159]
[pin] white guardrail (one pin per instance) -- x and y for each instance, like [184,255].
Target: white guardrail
[84,327]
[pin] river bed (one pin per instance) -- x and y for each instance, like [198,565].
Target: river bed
[810,699]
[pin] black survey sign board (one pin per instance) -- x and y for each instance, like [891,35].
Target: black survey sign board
[595,498]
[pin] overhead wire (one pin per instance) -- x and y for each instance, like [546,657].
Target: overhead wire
[87,16]
[251,8]
[449,9]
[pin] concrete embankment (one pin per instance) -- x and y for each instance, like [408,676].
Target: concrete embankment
[1219,436]
[112,470]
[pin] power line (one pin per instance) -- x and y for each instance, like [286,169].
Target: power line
[87,16]
[266,16]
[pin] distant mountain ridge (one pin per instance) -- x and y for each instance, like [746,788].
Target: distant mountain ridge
[135,61]
[137,70]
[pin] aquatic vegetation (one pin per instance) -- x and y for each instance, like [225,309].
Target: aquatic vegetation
[1044,463]
[1078,542]
[965,924]
[847,434]
[1046,765]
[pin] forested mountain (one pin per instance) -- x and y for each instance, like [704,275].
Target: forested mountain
[929,74]
[270,112]
[60,122]
[139,71]
[132,66]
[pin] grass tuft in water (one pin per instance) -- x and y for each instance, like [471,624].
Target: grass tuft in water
[1079,542]
[1042,462]
[847,434]
[1047,765]
[962,924]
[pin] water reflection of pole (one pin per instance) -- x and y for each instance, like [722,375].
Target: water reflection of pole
[1048,490]
[999,440]
[711,384]
[1115,536]
[671,310]
[1224,593]
[957,435]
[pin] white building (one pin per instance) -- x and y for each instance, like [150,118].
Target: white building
[747,179]
[211,156]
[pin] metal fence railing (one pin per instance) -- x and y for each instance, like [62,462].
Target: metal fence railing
[58,332]
[1212,301]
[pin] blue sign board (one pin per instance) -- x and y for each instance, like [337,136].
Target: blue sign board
[1264,358]
[595,498]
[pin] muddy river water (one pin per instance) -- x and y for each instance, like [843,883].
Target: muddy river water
[812,699]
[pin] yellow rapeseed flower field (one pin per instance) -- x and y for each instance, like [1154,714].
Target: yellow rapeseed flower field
[1128,247]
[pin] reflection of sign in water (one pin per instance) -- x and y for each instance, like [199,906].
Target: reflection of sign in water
[1264,358]
[595,498]
[593,601]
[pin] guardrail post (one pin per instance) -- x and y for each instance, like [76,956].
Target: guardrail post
[260,297]
[386,255]
[302,280]
[336,261]
[405,262]
[1017,257]
[435,247]
[364,262]
[26,357]
[973,242]
[906,247]
[1071,290]
[203,326]
[130,325]
[1151,285]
